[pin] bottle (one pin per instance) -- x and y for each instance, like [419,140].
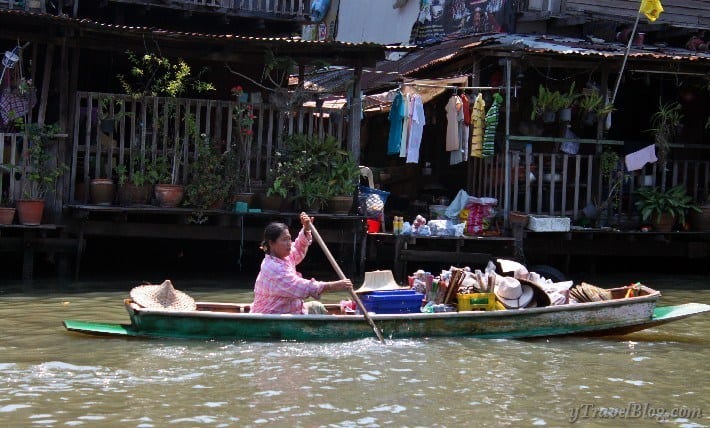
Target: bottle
[396,226]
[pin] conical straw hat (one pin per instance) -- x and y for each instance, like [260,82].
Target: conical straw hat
[162,296]
[379,280]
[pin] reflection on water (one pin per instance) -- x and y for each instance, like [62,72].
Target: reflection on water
[49,377]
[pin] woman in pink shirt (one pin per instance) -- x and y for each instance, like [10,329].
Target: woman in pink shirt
[279,288]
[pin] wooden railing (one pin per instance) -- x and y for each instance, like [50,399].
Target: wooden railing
[149,127]
[10,150]
[284,9]
[563,185]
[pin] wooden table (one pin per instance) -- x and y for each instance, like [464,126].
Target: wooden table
[219,225]
[32,239]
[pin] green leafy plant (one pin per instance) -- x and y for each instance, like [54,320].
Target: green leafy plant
[564,100]
[664,125]
[674,201]
[544,101]
[209,182]
[40,168]
[277,188]
[241,146]
[155,75]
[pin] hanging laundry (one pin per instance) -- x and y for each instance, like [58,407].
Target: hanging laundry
[416,129]
[639,158]
[489,136]
[478,113]
[465,127]
[407,124]
[466,108]
[396,118]
[456,156]
[453,107]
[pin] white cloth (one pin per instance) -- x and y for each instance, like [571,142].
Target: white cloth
[639,158]
[416,129]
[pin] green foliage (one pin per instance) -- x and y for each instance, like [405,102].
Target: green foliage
[674,201]
[209,181]
[562,101]
[277,188]
[544,101]
[241,146]
[664,123]
[41,169]
[155,75]
[314,170]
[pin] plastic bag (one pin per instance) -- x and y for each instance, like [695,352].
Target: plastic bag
[372,201]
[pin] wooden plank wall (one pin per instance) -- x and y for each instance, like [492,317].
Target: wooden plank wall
[684,13]
[285,8]
[10,149]
[562,185]
[146,126]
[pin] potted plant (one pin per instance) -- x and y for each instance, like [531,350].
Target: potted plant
[544,104]
[133,186]
[240,151]
[664,208]
[40,171]
[612,173]
[7,208]
[276,194]
[563,104]
[664,126]
[343,176]
[208,186]
[593,106]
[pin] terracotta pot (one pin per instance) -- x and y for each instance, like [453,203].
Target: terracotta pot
[246,197]
[29,211]
[169,195]
[663,223]
[6,215]
[271,203]
[102,191]
[340,204]
[130,194]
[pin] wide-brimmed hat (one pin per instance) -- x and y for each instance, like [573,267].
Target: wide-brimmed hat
[378,280]
[511,293]
[162,296]
[541,297]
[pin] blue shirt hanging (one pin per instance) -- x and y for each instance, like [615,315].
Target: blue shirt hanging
[396,117]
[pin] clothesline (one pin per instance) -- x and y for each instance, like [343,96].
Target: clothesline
[476,88]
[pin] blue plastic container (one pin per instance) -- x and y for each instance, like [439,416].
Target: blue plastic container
[393,302]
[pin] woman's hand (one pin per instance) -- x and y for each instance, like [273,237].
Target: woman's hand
[341,285]
[306,222]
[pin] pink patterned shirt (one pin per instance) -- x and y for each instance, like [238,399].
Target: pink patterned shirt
[279,288]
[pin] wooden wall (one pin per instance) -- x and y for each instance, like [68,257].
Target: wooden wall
[681,13]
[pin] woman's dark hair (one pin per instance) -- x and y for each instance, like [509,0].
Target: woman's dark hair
[272,231]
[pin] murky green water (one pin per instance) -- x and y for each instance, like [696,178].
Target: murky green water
[49,377]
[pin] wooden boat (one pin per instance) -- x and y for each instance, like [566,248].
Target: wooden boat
[228,321]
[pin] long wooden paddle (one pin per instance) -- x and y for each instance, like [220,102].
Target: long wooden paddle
[341,275]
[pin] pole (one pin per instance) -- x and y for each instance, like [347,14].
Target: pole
[626,56]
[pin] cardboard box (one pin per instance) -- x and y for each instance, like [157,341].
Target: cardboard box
[545,223]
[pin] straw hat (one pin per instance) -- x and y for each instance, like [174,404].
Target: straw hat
[511,293]
[162,296]
[379,280]
[541,297]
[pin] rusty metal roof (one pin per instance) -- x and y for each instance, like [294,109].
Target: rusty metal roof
[566,46]
[37,26]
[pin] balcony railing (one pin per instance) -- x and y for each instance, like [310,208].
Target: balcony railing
[271,9]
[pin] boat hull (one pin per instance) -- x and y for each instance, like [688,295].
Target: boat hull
[235,322]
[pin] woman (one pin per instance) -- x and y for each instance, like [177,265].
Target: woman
[279,288]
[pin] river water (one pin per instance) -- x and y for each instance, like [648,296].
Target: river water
[50,377]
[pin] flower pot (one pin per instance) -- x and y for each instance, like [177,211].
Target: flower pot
[340,204]
[663,222]
[102,191]
[565,115]
[589,118]
[6,215]
[29,211]
[130,194]
[700,221]
[271,203]
[549,117]
[169,195]
[246,197]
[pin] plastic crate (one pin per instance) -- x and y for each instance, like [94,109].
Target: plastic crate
[393,302]
[476,302]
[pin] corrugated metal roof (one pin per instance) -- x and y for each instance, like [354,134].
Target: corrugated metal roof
[88,24]
[558,45]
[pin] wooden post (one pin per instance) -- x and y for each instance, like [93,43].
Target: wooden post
[355,112]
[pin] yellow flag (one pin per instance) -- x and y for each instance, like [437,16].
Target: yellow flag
[651,8]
